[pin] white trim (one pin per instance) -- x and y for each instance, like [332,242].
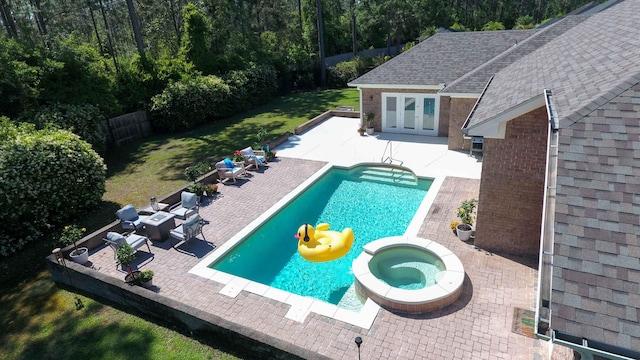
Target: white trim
[495,127]
[398,86]
[461,95]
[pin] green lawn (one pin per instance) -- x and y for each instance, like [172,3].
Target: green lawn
[40,321]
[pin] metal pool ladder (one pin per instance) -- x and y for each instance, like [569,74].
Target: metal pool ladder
[389,159]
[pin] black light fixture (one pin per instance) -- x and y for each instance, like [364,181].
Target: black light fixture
[358,341]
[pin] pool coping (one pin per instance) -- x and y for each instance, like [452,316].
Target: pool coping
[301,306]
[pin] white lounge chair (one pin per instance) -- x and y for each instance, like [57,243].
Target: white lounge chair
[228,169]
[252,157]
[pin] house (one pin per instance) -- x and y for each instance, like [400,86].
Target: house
[559,114]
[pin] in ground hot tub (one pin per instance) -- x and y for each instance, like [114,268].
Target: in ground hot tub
[408,274]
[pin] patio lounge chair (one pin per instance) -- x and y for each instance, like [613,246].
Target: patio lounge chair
[228,169]
[115,240]
[189,230]
[253,157]
[129,218]
[186,207]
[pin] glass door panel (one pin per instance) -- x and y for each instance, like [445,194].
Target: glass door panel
[409,113]
[392,112]
[428,114]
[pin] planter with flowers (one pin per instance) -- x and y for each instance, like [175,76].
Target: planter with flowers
[465,213]
[70,235]
[362,130]
[238,156]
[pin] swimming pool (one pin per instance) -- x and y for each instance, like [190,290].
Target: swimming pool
[375,202]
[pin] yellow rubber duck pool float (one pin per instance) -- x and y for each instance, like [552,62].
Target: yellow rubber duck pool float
[321,244]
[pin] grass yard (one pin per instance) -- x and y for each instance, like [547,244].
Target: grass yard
[40,321]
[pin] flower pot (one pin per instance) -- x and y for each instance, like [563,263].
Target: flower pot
[369,131]
[148,284]
[464,231]
[81,256]
[133,278]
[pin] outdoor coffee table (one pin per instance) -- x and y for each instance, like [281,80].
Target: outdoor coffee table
[159,225]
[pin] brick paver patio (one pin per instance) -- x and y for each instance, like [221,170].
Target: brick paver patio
[476,326]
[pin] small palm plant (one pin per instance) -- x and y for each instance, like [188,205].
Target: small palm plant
[125,256]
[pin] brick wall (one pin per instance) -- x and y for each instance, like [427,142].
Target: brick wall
[512,187]
[459,109]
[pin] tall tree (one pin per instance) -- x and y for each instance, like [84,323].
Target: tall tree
[8,20]
[136,27]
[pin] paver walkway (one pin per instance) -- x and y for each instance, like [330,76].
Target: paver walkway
[476,326]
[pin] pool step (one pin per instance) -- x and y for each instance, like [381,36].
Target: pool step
[351,300]
[386,175]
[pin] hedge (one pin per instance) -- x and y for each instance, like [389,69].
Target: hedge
[47,177]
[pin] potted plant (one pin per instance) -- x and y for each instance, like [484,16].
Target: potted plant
[261,144]
[270,155]
[453,225]
[146,278]
[465,213]
[369,119]
[197,188]
[70,235]
[210,189]
[362,130]
[125,256]
[237,156]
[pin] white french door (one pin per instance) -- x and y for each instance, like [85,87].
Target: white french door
[410,113]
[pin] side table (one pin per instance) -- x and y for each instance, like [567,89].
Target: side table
[159,225]
[149,211]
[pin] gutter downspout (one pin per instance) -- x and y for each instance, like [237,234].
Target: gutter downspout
[547,230]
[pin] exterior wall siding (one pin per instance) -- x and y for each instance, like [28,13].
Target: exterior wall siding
[512,187]
[458,113]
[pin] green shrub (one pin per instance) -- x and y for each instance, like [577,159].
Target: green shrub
[47,177]
[251,87]
[186,103]
[83,120]
[342,73]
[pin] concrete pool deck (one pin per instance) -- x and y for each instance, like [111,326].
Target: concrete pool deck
[476,326]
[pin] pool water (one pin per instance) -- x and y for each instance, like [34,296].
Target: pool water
[374,202]
[406,268]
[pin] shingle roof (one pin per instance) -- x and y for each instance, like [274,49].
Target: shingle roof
[475,80]
[443,58]
[593,71]
[579,66]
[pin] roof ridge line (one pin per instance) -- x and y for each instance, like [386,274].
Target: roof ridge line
[534,35]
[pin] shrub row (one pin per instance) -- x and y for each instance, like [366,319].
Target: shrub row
[199,99]
[339,75]
[47,177]
[83,120]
